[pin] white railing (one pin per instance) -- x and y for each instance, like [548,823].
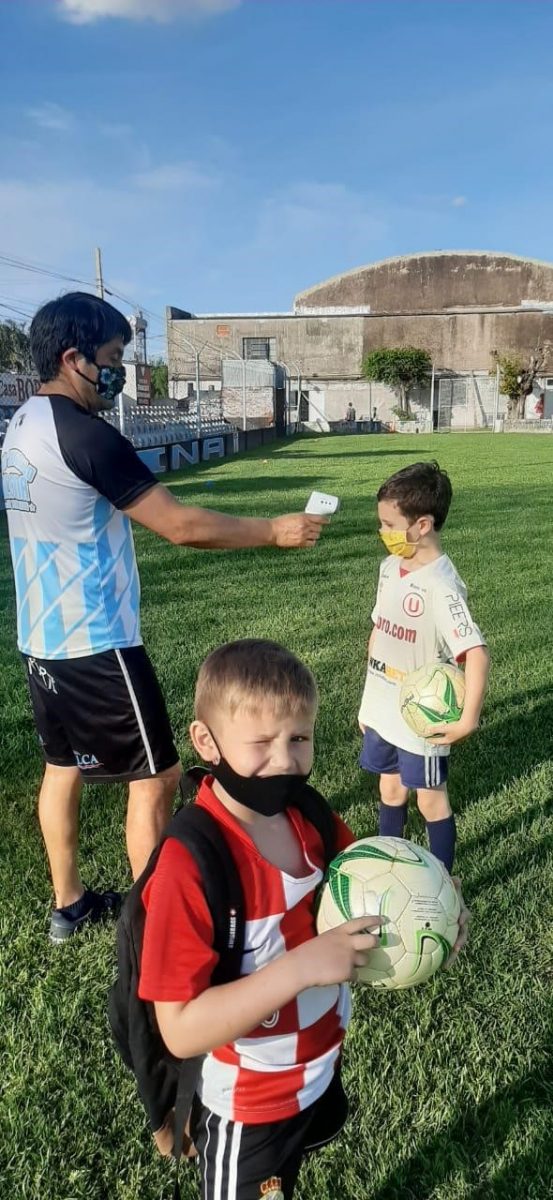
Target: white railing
[164,425]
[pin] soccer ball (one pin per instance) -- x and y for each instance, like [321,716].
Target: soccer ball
[406,884]
[432,695]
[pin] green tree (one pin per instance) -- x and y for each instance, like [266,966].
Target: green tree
[516,378]
[15,350]
[160,379]
[402,368]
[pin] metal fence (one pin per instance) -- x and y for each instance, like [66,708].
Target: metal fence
[468,402]
[248,392]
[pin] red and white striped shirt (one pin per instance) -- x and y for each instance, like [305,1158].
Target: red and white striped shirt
[285,1064]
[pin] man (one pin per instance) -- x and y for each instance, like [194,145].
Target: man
[71,482]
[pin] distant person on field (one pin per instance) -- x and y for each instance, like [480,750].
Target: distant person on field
[270,1089]
[350,413]
[71,482]
[420,617]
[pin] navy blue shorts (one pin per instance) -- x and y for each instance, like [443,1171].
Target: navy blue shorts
[415,770]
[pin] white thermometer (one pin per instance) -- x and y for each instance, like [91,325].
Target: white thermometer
[322,505]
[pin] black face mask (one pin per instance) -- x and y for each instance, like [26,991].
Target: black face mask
[109,382]
[264,794]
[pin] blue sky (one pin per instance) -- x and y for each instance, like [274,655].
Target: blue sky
[237,151]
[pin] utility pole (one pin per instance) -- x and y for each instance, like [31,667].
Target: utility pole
[99,276]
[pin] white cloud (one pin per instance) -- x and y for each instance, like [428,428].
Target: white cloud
[82,12]
[459,202]
[172,177]
[51,116]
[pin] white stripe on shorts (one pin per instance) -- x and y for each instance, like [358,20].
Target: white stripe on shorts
[137,712]
[233,1163]
[224,1188]
[221,1146]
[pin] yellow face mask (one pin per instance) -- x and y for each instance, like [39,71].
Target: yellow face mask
[395,541]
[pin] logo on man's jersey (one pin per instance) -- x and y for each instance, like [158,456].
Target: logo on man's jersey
[272,1189]
[413,604]
[86,762]
[45,678]
[17,475]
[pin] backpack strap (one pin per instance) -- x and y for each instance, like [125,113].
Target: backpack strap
[189,783]
[318,812]
[199,833]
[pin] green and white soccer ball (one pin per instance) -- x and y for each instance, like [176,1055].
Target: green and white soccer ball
[409,887]
[432,695]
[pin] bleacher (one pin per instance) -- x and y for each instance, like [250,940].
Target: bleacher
[164,425]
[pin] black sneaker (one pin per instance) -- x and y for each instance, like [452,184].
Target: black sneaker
[92,906]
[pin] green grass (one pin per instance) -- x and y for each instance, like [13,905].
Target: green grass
[451,1084]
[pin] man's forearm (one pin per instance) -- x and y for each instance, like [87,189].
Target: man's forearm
[204,529]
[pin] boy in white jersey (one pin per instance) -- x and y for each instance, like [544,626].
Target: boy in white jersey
[270,1085]
[420,616]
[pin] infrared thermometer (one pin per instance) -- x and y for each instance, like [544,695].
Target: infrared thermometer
[322,505]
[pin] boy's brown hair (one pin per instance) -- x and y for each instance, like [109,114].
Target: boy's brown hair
[251,673]
[421,490]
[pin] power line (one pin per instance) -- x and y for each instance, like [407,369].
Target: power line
[21,264]
[19,311]
[17,300]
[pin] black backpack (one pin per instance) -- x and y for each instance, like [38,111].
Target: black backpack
[164,1082]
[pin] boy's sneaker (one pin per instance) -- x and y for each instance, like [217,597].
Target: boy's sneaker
[92,906]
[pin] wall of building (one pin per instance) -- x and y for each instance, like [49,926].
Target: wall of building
[334,347]
[462,341]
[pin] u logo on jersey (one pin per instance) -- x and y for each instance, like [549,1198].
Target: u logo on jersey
[413,605]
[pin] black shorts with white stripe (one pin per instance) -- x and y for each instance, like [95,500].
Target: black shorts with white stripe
[104,714]
[262,1162]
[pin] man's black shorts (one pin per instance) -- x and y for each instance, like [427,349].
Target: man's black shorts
[104,714]
[262,1162]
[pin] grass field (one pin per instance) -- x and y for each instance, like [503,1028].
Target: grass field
[452,1084]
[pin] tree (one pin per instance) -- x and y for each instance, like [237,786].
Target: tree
[402,369]
[160,379]
[15,350]
[517,377]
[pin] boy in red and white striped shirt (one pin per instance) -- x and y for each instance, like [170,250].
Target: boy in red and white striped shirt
[270,1087]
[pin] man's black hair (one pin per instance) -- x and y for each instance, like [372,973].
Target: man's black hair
[78,320]
[420,490]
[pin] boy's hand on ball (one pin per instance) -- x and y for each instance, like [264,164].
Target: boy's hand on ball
[335,956]
[464,918]
[297,531]
[448,734]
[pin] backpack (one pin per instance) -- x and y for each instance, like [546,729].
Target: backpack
[165,1082]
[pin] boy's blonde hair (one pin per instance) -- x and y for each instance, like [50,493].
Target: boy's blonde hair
[250,674]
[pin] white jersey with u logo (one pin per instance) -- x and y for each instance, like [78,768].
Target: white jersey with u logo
[420,617]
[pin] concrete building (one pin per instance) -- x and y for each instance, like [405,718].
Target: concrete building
[459,306]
